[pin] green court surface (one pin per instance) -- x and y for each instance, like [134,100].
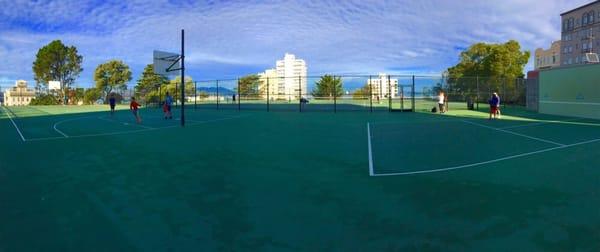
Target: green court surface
[78,179]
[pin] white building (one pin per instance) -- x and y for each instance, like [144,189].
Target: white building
[380,87]
[290,79]
[269,85]
[19,95]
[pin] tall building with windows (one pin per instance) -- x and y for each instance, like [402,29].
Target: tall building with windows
[381,87]
[292,74]
[19,95]
[580,30]
[288,81]
[549,58]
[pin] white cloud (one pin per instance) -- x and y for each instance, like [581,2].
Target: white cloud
[332,36]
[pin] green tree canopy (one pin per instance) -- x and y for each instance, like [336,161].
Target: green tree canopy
[148,83]
[487,67]
[249,86]
[91,95]
[361,93]
[111,75]
[328,86]
[57,62]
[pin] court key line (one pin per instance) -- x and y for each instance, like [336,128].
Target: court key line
[487,162]
[514,133]
[130,131]
[14,124]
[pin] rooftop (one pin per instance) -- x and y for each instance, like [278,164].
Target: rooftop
[580,7]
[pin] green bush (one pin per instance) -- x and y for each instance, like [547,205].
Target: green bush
[44,99]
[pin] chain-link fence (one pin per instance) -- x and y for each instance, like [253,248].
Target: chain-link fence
[314,93]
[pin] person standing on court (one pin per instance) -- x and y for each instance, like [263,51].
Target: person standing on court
[112,101]
[494,104]
[167,106]
[441,100]
[133,106]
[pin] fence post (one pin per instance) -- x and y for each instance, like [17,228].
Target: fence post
[477,94]
[218,98]
[195,94]
[334,97]
[239,96]
[389,94]
[159,96]
[413,94]
[370,94]
[300,93]
[504,91]
[268,93]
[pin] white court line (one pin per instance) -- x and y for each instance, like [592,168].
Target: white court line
[514,133]
[371,172]
[14,124]
[115,121]
[486,162]
[571,103]
[132,131]
[540,123]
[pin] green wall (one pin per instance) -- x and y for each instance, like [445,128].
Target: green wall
[571,91]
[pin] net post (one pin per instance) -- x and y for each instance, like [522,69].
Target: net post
[195,94]
[182,78]
[370,94]
[239,95]
[268,98]
[413,94]
[389,94]
[218,98]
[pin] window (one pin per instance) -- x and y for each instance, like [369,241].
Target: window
[577,60]
[584,19]
[553,59]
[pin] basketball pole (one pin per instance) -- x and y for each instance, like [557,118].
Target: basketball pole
[182,79]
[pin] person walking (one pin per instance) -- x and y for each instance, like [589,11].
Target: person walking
[112,101]
[167,106]
[494,104]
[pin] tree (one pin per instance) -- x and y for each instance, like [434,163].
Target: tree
[495,64]
[111,75]
[328,86]
[361,93]
[249,86]
[147,85]
[91,96]
[57,62]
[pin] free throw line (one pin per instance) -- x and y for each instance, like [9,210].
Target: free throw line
[14,124]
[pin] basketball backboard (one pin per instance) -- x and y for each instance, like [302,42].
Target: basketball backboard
[591,58]
[166,63]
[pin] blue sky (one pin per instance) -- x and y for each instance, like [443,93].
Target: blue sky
[226,39]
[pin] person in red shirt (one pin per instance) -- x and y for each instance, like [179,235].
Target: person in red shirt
[133,106]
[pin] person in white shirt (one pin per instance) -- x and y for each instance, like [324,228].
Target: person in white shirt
[441,102]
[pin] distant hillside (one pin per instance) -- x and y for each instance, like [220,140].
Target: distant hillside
[213,91]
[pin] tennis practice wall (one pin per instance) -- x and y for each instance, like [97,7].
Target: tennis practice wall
[571,91]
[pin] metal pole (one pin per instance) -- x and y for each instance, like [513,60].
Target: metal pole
[389,94]
[218,98]
[195,95]
[268,98]
[334,97]
[159,96]
[182,78]
[370,94]
[477,97]
[300,93]
[239,95]
[413,94]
